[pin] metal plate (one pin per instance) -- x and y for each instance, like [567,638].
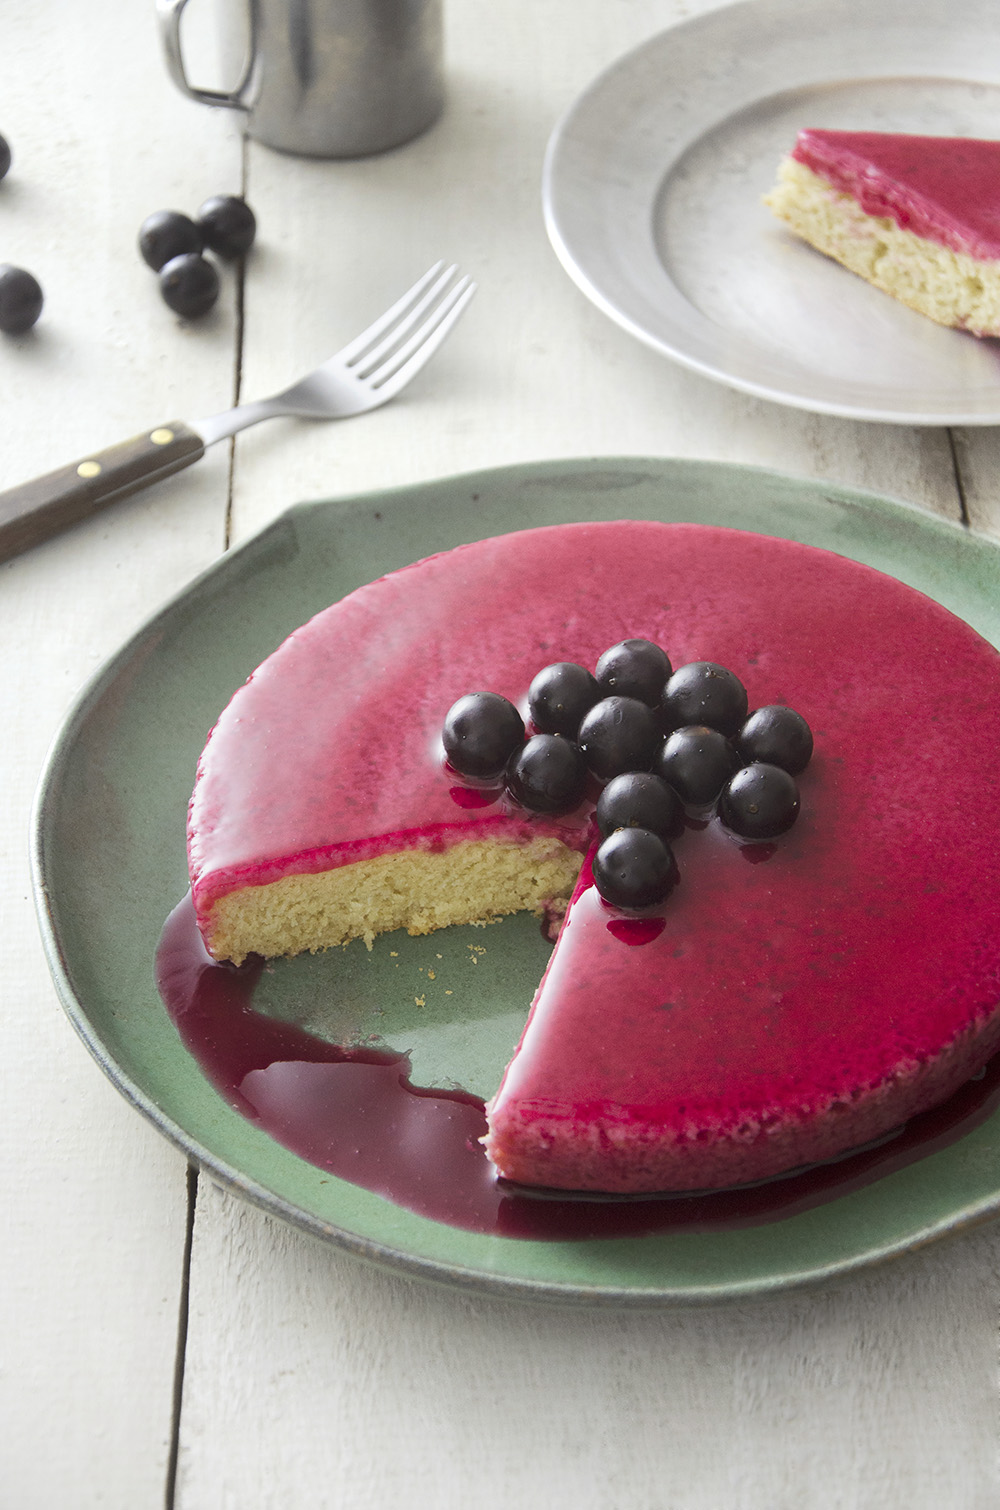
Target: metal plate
[652,194]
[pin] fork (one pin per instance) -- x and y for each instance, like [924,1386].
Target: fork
[367,372]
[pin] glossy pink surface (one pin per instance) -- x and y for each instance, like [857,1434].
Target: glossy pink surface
[422,1147]
[831,989]
[946,189]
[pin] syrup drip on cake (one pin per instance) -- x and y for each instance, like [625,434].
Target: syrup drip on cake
[421,1148]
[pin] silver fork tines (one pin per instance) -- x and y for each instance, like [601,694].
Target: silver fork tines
[436,292]
[369,370]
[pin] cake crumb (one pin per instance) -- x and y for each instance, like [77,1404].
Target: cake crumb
[421,1001]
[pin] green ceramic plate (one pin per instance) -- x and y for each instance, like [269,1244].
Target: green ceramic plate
[110,865]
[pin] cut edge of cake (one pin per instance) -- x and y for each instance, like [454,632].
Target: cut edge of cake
[421,890]
[619,1152]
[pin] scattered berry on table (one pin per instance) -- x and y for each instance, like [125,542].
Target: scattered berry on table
[481,732]
[548,775]
[705,693]
[618,734]
[20,299]
[189,284]
[635,668]
[697,762]
[560,695]
[760,802]
[4,156]
[228,225]
[167,234]
[777,735]
[634,869]
[638,799]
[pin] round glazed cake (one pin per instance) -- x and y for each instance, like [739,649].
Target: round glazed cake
[801,998]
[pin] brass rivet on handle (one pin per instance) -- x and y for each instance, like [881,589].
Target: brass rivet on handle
[88,469]
[161,437]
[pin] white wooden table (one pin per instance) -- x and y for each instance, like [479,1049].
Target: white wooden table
[159,1338]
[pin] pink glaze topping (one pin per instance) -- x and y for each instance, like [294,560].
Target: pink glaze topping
[946,189]
[859,956]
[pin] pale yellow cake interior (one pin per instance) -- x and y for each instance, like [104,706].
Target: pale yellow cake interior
[473,881]
[949,287]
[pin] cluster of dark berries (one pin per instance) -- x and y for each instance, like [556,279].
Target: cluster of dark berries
[173,245]
[660,742]
[20,292]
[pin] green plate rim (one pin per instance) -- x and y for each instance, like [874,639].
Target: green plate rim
[231,1177]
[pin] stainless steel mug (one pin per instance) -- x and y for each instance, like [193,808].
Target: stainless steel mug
[329,78]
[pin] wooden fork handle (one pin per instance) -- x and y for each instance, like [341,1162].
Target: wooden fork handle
[35,511]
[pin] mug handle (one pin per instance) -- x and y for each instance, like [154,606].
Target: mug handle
[169,15]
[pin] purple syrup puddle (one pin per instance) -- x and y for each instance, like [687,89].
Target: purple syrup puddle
[354,1112]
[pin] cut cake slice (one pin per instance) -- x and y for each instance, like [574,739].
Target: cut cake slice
[917,216]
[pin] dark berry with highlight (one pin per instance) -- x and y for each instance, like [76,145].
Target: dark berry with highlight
[228,225]
[20,299]
[481,732]
[548,774]
[777,735]
[638,799]
[618,734]
[166,234]
[635,668]
[703,692]
[559,696]
[697,762]
[189,285]
[634,869]
[760,802]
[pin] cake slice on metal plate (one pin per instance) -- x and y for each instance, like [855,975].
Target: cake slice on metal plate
[917,216]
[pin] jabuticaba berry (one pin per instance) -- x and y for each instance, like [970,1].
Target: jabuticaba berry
[189,285]
[778,736]
[548,774]
[634,668]
[559,696]
[697,762]
[481,732]
[166,234]
[639,799]
[760,802]
[21,299]
[703,692]
[618,734]
[228,225]
[634,869]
